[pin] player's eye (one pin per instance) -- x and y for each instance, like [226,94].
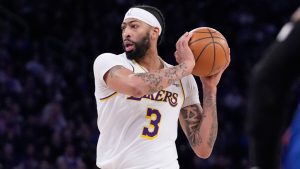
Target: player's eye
[123,27]
[134,26]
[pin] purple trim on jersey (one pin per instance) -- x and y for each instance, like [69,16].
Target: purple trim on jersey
[134,98]
[182,89]
[132,67]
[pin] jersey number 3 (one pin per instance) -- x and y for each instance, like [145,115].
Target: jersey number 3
[150,132]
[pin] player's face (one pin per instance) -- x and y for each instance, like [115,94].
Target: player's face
[136,38]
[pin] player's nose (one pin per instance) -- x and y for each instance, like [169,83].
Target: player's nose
[126,33]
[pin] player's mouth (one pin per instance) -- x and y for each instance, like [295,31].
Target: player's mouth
[128,45]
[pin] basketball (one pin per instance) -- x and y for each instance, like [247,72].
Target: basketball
[210,49]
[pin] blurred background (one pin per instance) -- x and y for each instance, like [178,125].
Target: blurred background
[47,49]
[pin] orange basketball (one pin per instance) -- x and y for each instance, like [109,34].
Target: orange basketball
[210,50]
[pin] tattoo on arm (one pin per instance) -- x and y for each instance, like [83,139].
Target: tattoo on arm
[175,71]
[213,131]
[156,79]
[114,69]
[193,116]
[210,103]
[153,79]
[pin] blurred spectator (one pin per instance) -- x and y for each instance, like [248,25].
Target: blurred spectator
[53,116]
[69,160]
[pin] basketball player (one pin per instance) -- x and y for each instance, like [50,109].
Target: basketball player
[269,88]
[140,98]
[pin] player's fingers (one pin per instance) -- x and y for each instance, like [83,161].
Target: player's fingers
[296,15]
[186,39]
[177,44]
[180,41]
[176,56]
[184,35]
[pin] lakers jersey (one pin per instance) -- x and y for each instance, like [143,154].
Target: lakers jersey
[138,133]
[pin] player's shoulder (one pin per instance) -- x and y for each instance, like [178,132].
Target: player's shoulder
[108,56]
[188,82]
[188,78]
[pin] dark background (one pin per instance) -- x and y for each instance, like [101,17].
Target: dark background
[47,48]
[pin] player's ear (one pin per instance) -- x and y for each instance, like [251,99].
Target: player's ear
[155,33]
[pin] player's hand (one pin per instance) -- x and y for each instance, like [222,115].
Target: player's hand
[183,53]
[296,15]
[213,80]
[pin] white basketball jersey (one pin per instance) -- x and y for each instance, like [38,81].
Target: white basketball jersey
[138,133]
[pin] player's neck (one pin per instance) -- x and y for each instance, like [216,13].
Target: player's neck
[151,61]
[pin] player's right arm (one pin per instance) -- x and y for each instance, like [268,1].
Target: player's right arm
[123,80]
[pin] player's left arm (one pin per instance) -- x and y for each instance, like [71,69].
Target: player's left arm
[200,125]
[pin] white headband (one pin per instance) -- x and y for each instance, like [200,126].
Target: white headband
[144,16]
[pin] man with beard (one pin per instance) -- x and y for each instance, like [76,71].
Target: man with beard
[140,98]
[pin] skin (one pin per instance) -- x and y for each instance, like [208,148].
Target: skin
[199,124]
[296,16]
[125,81]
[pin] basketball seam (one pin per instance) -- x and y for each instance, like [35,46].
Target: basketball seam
[204,38]
[213,41]
[204,32]
[197,58]
[202,51]
[224,52]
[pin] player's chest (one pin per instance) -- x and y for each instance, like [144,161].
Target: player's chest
[171,96]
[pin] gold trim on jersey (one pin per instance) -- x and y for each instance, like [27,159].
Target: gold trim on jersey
[181,86]
[108,97]
[146,70]
[142,67]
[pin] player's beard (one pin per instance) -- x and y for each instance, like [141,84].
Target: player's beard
[140,49]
